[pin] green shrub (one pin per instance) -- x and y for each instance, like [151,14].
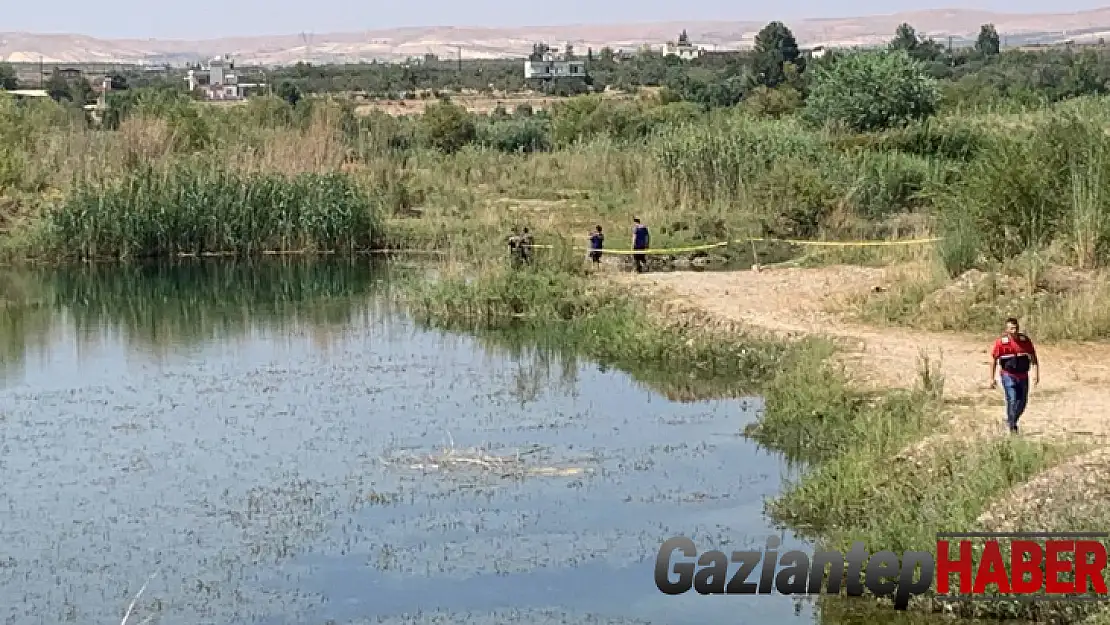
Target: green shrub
[871,90]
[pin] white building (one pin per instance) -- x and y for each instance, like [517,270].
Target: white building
[219,81]
[551,67]
[683,49]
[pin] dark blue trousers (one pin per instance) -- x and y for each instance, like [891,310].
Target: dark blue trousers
[1017,394]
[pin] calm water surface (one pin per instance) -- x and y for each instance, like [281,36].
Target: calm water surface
[255,440]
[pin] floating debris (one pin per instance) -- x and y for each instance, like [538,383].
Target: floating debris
[476,459]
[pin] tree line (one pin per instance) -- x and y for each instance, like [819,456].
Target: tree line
[776,72]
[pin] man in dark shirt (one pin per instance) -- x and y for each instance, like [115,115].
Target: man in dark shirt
[526,242]
[640,241]
[514,246]
[1016,355]
[597,241]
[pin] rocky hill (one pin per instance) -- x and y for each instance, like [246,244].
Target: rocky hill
[960,24]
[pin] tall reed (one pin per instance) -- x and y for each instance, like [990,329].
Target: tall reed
[192,208]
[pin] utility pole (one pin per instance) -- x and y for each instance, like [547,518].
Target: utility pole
[42,72]
[459,48]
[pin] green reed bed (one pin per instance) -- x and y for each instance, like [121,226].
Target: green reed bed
[193,209]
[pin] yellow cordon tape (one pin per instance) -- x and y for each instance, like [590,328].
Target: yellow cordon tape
[698,248]
[848,243]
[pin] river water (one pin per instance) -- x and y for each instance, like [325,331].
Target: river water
[276,443]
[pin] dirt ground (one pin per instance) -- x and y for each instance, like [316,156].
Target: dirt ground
[1072,399]
[481,104]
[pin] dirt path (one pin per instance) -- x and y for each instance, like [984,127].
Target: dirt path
[1072,399]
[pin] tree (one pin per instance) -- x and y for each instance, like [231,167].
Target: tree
[289,92]
[8,80]
[774,46]
[919,47]
[80,91]
[869,90]
[905,38]
[988,42]
[58,88]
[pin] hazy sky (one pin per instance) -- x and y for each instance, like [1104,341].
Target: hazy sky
[207,19]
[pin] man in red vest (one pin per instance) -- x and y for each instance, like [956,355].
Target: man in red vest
[1014,353]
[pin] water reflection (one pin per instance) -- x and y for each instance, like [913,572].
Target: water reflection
[164,308]
[226,425]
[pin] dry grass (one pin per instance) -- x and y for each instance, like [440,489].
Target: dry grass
[1054,302]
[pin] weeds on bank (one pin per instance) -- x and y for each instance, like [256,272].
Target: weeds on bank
[860,487]
[569,312]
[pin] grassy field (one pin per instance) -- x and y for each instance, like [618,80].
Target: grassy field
[1019,199]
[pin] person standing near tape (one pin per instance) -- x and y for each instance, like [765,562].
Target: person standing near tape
[640,240]
[1015,354]
[514,245]
[597,241]
[526,243]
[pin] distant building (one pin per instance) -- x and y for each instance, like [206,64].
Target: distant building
[219,81]
[816,52]
[102,90]
[68,73]
[550,67]
[682,48]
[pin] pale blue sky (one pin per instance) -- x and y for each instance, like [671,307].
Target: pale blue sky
[207,19]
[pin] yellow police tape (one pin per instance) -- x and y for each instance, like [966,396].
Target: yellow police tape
[709,246]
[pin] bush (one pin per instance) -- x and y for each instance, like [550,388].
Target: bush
[447,127]
[868,90]
[516,135]
[775,103]
[1034,188]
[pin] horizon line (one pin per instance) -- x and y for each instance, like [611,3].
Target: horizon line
[572,25]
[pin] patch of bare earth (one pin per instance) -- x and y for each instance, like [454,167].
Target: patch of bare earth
[1072,400]
[1075,490]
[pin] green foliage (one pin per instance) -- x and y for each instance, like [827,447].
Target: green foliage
[583,118]
[516,135]
[775,103]
[447,127]
[600,322]
[7,77]
[196,209]
[917,47]
[289,92]
[1037,186]
[722,156]
[988,43]
[775,46]
[868,90]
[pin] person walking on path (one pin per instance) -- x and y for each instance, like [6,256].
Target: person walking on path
[1015,354]
[640,240]
[597,241]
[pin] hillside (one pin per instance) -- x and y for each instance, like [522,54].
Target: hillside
[508,42]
